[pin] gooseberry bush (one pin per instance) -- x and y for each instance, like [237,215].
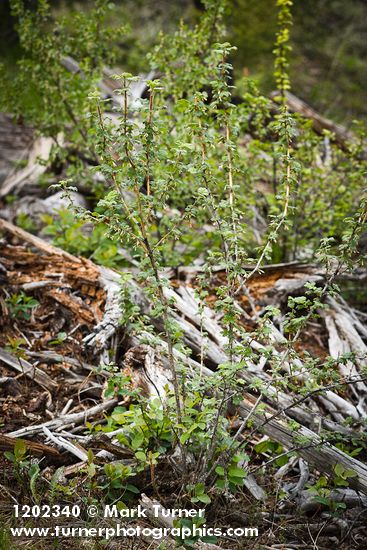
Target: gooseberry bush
[195,174]
[183,187]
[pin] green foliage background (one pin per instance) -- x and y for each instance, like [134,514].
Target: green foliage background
[328,63]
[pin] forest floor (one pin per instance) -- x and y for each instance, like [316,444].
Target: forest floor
[59,331]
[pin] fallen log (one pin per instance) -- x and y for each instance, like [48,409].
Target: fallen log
[38,450]
[314,449]
[308,503]
[38,243]
[343,136]
[15,142]
[66,445]
[40,150]
[66,420]
[215,355]
[108,85]
[30,371]
[52,357]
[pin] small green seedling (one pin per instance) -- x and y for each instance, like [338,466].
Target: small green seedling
[21,306]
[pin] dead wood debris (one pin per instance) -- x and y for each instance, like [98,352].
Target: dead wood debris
[58,387]
[84,277]
[89,295]
[36,449]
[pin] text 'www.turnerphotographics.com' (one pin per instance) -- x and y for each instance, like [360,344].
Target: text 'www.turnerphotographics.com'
[125,529]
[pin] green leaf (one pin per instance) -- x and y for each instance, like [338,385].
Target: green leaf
[34,473]
[137,440]
[322,500]
[339,470]
[199,488]
[141,456]
[203,498]
[184,437]
[350,473]
[9,456]
[282,460]
[220,484]
[233,471]
[263,446]
[132,489]
[20,449]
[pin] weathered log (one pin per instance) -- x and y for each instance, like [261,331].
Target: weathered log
[33,448]
[310,446]
[215,355]
[34,207]
[109,85]
[67,420]
[40,244]
[41,149]
[107,279]
[67,445]
[314,449]
[320,123]
[53,357]
[308,502]
[15,142]
[30,371]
